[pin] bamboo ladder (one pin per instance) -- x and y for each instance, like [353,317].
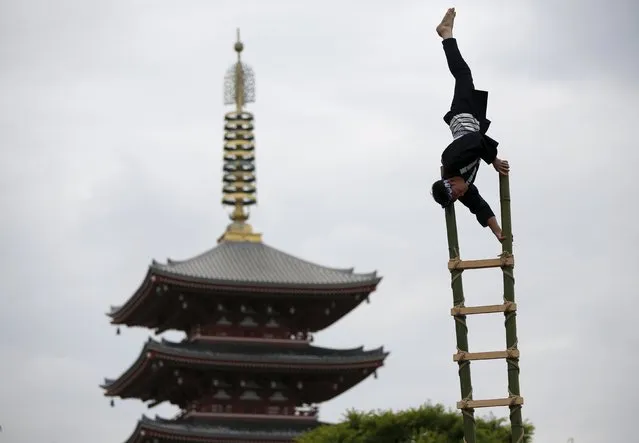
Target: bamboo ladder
[459,312]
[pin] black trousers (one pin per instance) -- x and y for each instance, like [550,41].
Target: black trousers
[463,95]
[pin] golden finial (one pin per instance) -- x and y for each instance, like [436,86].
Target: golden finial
[239,150]
[239,46]
[239,82]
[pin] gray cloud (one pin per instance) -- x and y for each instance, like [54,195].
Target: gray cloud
[111,133]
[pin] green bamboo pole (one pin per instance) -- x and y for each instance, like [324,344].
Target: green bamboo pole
[510,317]
[460,326]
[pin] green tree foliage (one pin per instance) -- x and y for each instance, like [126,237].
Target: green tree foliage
[427,424]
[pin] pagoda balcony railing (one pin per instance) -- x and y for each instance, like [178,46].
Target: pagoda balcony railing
[305,411]
[232,335]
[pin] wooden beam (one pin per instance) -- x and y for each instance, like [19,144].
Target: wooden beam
[501,262]
[469,404]
[488,309]
[492,355]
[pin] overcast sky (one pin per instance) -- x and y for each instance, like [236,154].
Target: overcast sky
[111,124]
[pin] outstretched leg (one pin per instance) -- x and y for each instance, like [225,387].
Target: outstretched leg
[464,86]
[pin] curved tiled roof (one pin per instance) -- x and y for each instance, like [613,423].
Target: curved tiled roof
[276,430]
[255,353]
[259,264]
[265,352]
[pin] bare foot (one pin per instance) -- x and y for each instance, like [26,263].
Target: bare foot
[445,28]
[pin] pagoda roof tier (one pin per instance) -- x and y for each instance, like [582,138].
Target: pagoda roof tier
[257,264]
[221,430]
[170,365]
[234,268]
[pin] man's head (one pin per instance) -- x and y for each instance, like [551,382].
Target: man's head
[447,191]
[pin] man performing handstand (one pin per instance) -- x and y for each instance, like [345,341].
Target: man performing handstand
[468,124]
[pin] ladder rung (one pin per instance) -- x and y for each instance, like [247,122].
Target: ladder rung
[488,309]
[481,264]
[469,404]
[492,355]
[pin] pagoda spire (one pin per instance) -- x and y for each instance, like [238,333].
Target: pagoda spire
[238,187]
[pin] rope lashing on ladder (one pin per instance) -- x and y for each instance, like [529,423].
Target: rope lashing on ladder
[461,319]
[504,256]
[468,412]
[455,275]
[454,264]
[513,409]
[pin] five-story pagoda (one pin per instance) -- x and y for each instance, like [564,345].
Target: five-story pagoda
[246,370]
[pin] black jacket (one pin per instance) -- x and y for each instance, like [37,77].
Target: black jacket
[462,158]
